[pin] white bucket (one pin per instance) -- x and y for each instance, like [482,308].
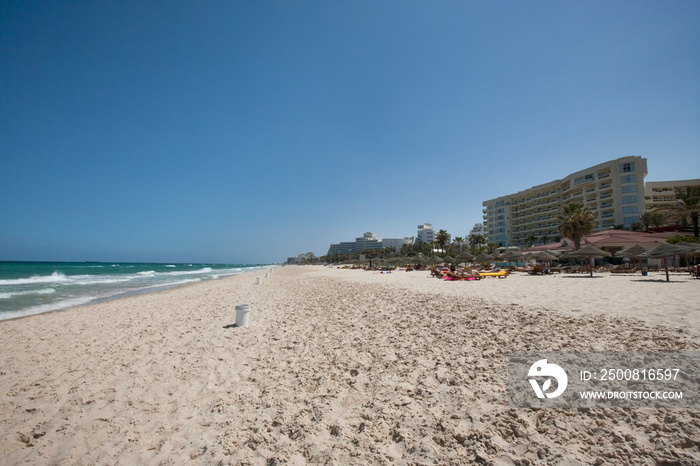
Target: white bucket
[259,281]
[242,315]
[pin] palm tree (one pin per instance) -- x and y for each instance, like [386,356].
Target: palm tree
[529,240]
[651,219]
[576,222]
[687,205]
[442,238]
[459,240]
[476,240]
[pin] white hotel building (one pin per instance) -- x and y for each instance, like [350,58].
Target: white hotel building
[613,191]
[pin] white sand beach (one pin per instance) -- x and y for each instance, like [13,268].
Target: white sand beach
[337,367]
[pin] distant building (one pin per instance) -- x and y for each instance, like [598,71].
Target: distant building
[478,229]
[426,233]
[366,241]
[613,191]
[659,193]
[397,243]
[307,258]
[369,241]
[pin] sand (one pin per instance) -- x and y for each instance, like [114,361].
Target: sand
[337,367]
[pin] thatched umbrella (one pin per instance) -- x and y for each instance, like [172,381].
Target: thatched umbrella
[464,256]
[541,256]
[483,257]
[448,258]
[511,256]
[664,251]
[435,260]
[589,251]
[631,251]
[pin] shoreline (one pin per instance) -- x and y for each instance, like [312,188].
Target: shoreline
[127,294]
[336,366]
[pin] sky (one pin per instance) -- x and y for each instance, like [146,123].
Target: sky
[248,132]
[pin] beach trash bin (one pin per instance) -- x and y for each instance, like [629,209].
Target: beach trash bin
[242,315]
[259,282]
[267,275]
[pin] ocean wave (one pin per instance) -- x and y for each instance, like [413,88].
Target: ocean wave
[191,272]
[56,277]
[57,306]
[172,284]
[25,293]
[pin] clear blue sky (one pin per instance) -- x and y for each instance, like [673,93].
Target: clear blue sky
[246,131]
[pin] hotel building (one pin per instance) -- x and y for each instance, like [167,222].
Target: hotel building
[613,191]
[659,193]
[368,241]
[426,233]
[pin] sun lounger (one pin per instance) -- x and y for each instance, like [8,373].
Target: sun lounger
[462,276]
[436,273]
[623,270]
[499,274]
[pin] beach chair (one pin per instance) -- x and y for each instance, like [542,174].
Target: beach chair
[434,272]
[537,270]
[462,276]
[499,273]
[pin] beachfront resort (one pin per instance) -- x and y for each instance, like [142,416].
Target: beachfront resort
[614,196]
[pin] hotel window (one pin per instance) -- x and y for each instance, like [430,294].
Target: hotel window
[627,167]
[628,179]
[629,199]
[629,210]
[628,189]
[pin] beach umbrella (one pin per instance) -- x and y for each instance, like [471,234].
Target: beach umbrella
[448,258]
[554,253]
[589,251]
[542,256]
[483,257]
[664,251]
[511,256]
[435,260]
[632,251]
[464,256]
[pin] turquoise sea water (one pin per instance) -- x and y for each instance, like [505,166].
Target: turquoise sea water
[28,288]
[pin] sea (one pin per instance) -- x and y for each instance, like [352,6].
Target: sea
[28,288]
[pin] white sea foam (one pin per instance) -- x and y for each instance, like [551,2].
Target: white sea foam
[191,272]
[58,306]
[56,277]
[25,293]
